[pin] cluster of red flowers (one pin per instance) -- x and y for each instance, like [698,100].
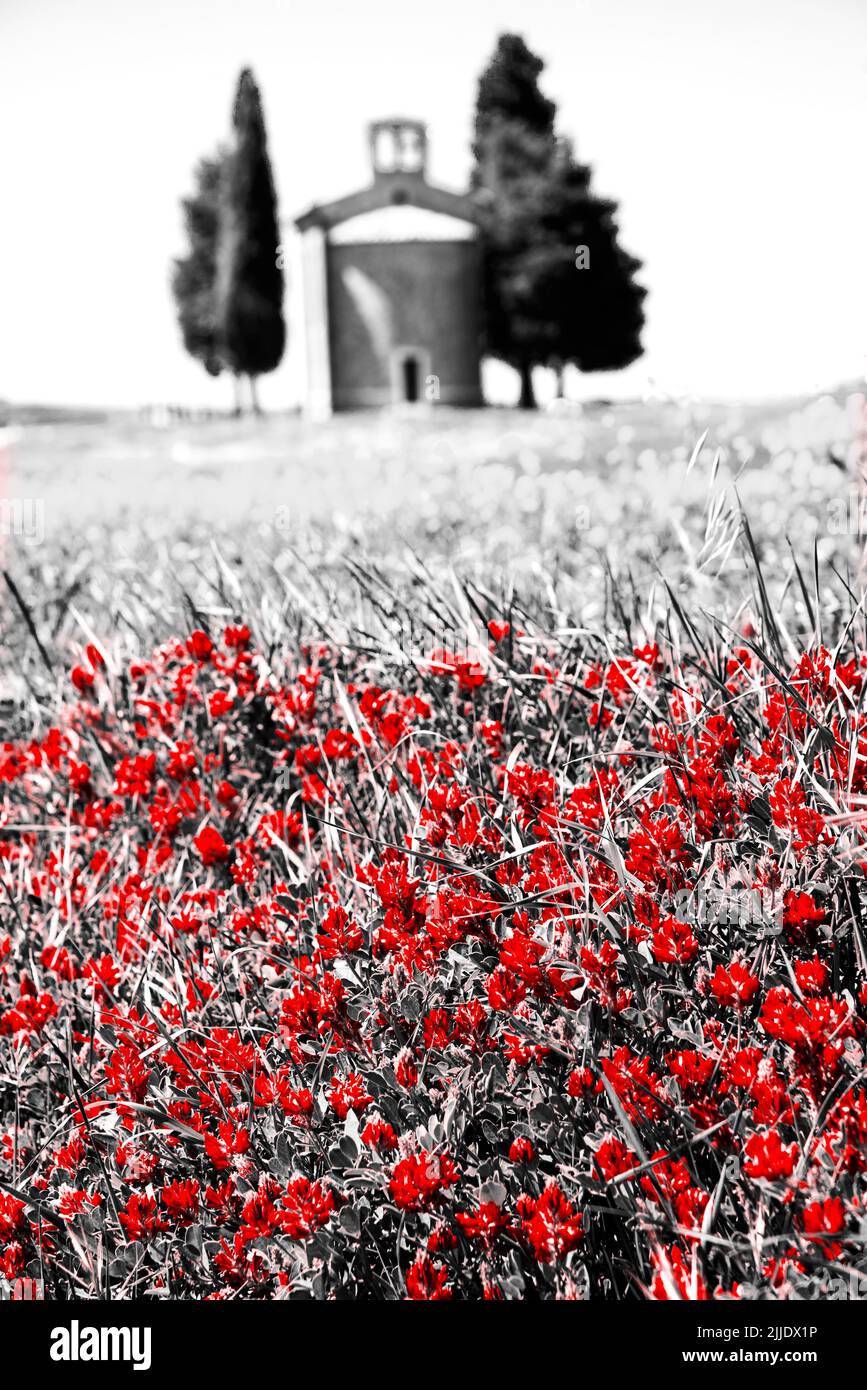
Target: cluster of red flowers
[315,986]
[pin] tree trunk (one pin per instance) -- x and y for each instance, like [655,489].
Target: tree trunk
[559,374]
[239,410]
[254,397]
[528,398]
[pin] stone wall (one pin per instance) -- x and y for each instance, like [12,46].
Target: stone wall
[386,299]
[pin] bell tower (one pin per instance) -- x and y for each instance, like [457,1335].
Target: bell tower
[398,146]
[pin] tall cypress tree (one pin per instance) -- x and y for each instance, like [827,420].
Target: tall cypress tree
[194,275]
[589,284]
[509,91]
[251,330]
[513,144]
[535,208]
[508,203]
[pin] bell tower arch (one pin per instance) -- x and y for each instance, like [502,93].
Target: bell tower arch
[398,146]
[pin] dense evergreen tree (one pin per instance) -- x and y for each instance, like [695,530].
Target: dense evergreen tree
[590,288]
[536,208]
[194,275]
[249,290]
[509,91]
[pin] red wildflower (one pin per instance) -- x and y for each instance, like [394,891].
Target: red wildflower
[823,1219]
[768,1157]
[677,1276]
[228,1144]
[734,984]
[379,1135]
[802,915]
[550,1224]
[181,1201]
[140,1218]
[348,1093]
[211,846]
[483,1224]
[304,1208]
[521,1150]
[674,941]
[418,1179]
[426,1280]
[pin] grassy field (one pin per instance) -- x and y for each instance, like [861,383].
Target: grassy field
[433,857]
[500,496]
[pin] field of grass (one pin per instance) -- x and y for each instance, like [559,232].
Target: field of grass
[431,857]
[499,496]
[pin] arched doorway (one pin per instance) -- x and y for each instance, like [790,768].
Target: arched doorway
[410,379]
[410,367]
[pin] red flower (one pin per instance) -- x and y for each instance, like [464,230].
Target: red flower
[801,916]
[812,975]
[200,646]
[416,1180]
[791,813]
[181,1201]
[550,1224]
[348,1093]
[140,1218]
[426,1280]
[219,703]
[505,990]
[636,1086]
[339,935]
[72,1202]
[405,1069]
[521,1150]
[483,1224]
[614,1158]
[58,960]
[12,1216]
[581,1081]
[379,1135]
[821,1219]
[808,1026]
[295,1101]
[734,985]
[229,1143]
[30,1013]
[81,678]
[677,1276]
[304,1208]
[674,941]
[211,846]
[768,1157]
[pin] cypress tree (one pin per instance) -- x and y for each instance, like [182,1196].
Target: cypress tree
[194,275]
[509,91]
[250,325]
[535,207]
[514,139]
[596,298]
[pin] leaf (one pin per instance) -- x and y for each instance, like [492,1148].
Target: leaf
[493,1192]
[350,1221]
[194,1241]
[283,1153]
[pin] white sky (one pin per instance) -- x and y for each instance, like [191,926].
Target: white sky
[730,131]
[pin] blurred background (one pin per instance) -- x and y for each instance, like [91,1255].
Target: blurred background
[717,145]
[729,132]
